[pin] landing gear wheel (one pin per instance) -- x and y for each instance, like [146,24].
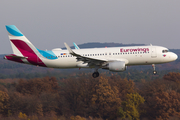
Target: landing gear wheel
[95,74]
[154,72]
[154,69]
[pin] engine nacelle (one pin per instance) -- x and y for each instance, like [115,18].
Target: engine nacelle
[116,66]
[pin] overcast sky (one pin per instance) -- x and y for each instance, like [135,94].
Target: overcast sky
[50,23]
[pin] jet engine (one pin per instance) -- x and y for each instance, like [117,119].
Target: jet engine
[116,66]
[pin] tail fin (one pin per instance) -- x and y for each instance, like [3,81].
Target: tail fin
[21,46]
[23,50]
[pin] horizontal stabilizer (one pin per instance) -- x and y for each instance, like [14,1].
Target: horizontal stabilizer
[16,56]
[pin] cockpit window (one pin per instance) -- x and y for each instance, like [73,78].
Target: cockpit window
[165,51]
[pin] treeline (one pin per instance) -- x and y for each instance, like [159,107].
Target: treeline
[133,74]
[86,98]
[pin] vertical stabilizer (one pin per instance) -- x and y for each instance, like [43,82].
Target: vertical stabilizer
[20,44]
[23,49]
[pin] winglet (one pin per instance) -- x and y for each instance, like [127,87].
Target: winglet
[76,47]
[68,48]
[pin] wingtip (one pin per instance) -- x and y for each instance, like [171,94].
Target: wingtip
[76,47]
[66,45]
[68,48]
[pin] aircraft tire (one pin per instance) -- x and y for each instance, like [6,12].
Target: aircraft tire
[154,72]
[95,74]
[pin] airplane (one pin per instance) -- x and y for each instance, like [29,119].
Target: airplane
[113,58]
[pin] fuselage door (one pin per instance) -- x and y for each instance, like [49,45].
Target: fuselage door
[153,52]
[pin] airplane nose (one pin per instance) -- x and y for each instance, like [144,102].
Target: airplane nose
[175,56]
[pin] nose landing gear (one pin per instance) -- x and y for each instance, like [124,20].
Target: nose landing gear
[154,69]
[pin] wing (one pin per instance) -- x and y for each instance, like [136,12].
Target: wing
[76,47]
[90,60]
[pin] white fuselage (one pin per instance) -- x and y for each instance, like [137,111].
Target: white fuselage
[133,55]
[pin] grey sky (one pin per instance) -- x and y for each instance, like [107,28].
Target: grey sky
[48,24]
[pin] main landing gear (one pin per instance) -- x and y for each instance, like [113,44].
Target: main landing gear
[95,74]
[154,69]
